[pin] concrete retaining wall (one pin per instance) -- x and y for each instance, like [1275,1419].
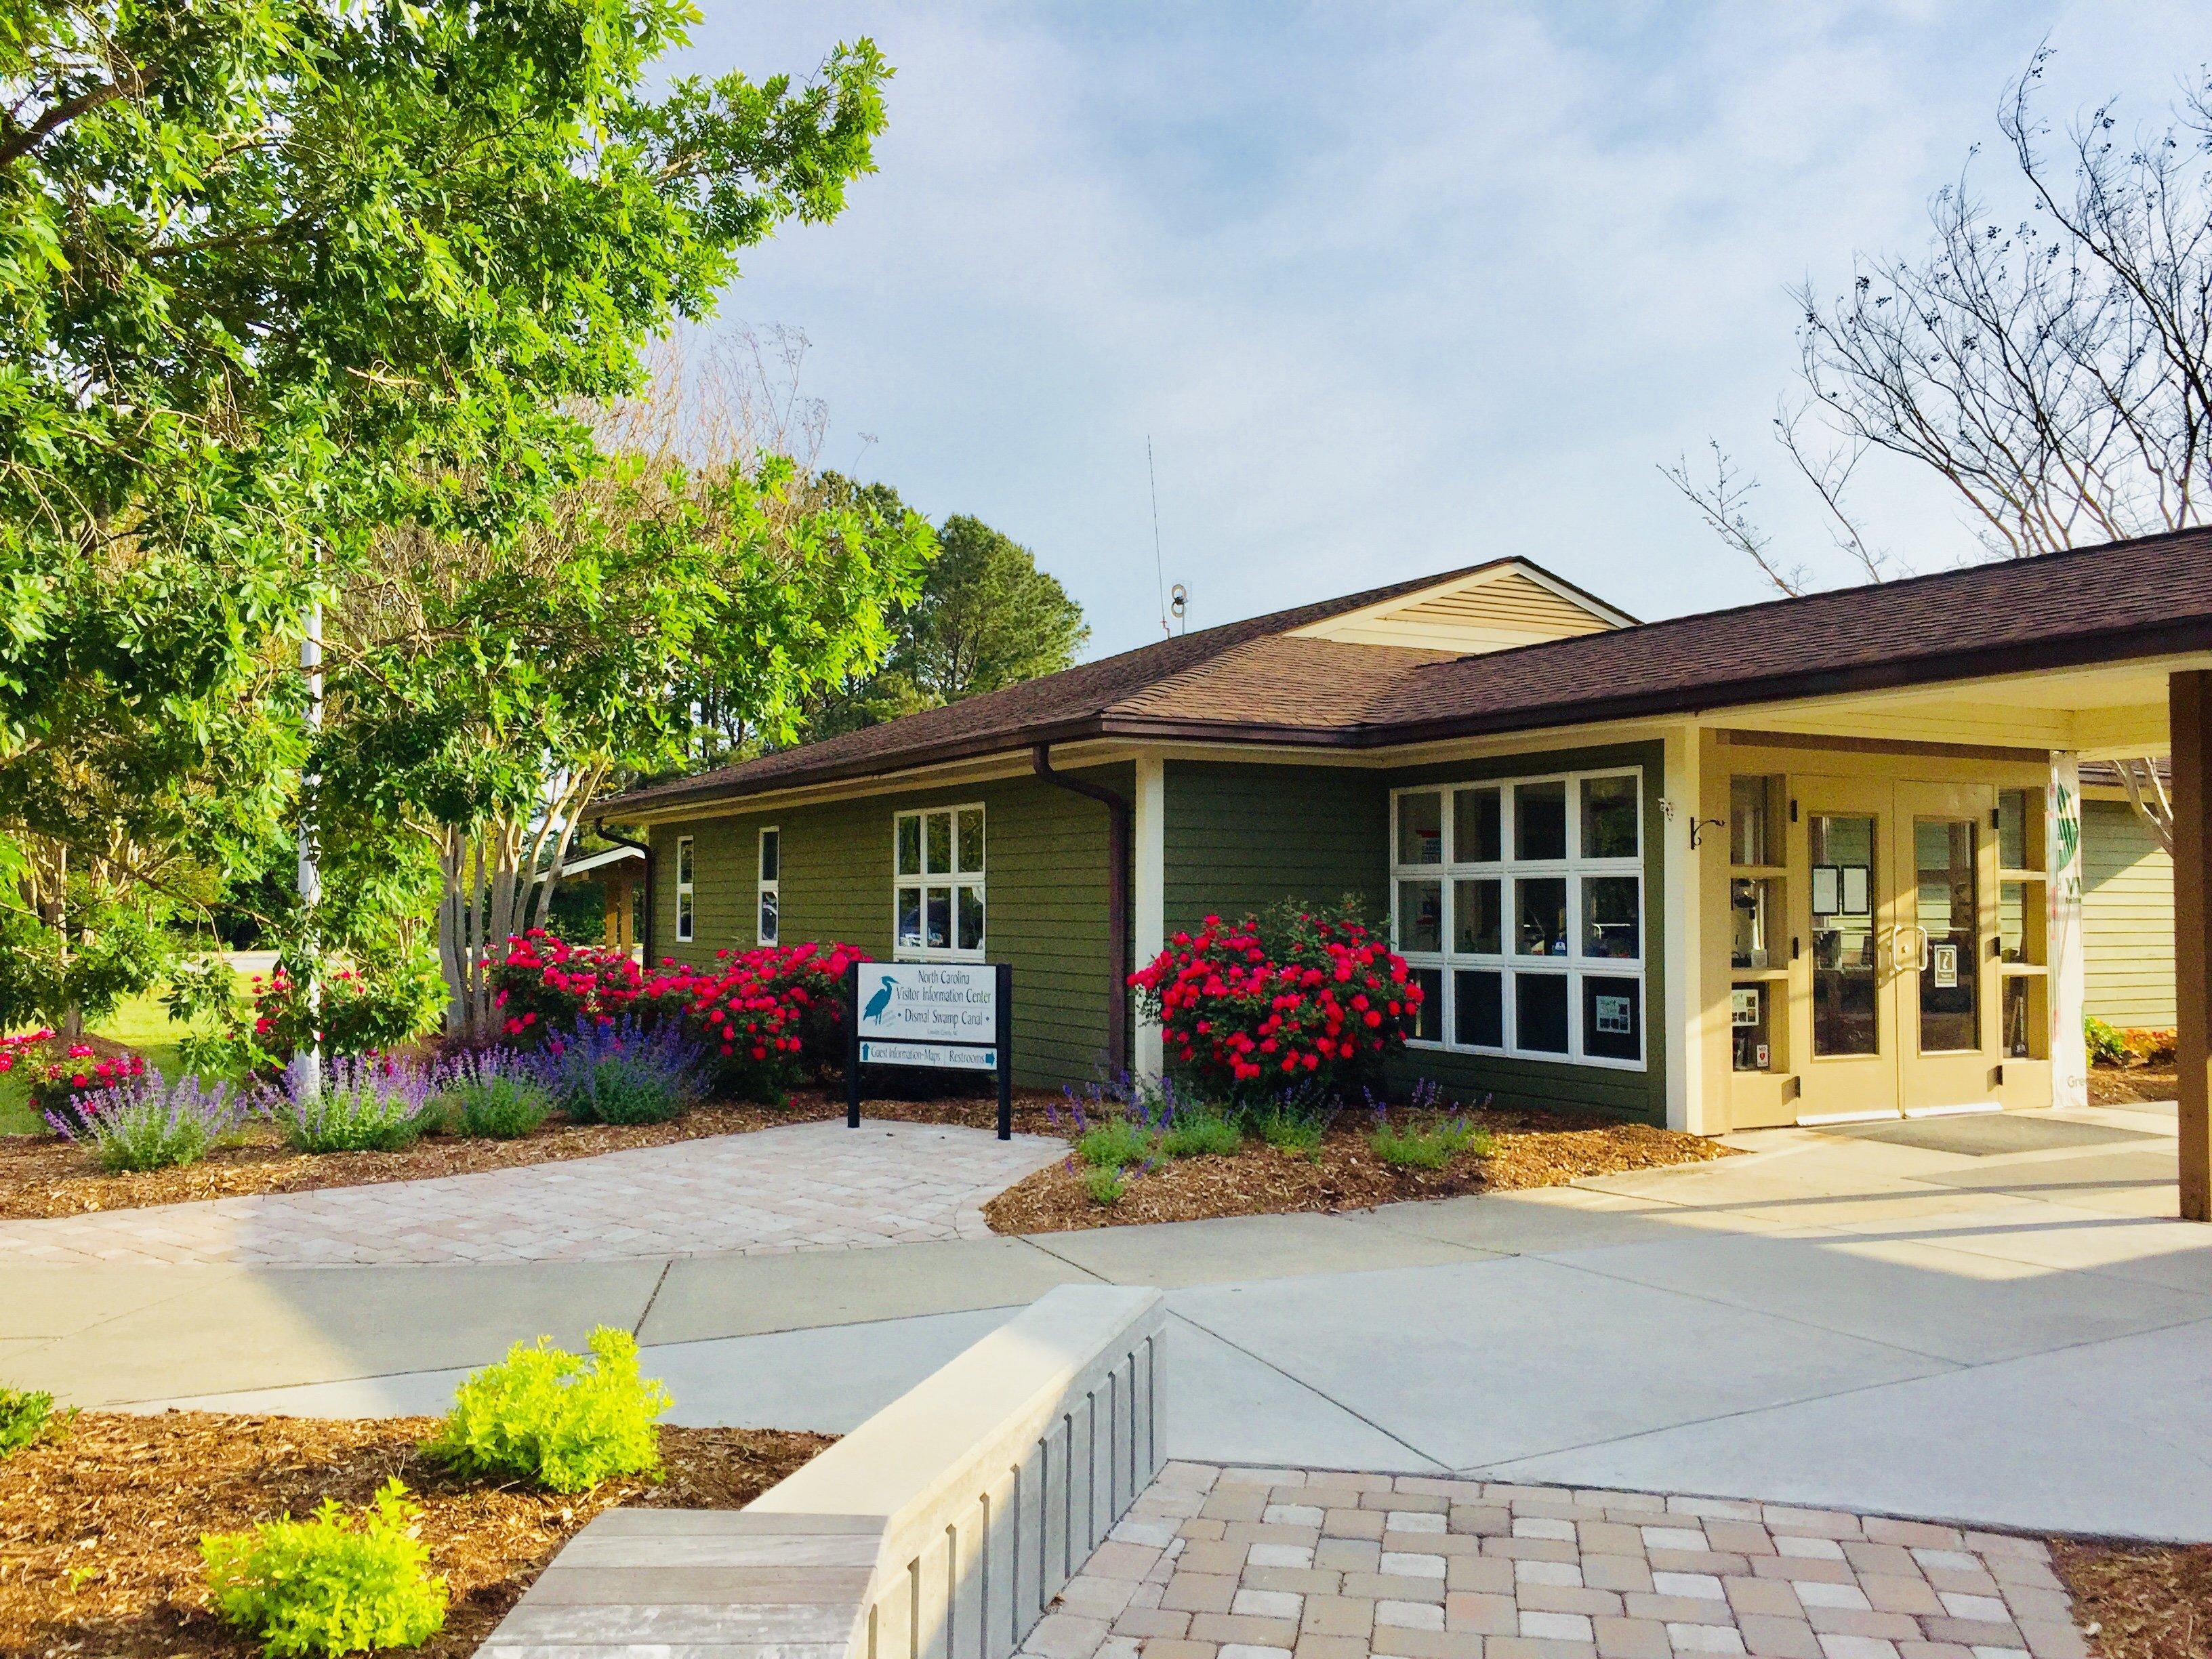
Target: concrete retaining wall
[940,1528]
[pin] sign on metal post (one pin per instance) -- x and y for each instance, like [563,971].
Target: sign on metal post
[946,1015]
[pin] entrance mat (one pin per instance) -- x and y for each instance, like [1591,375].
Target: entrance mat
[1989,1134]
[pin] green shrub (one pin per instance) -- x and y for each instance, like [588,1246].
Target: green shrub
[24,1414]
[1116,1140]
[2108,1045]
[331,1584]
[361,1104]
[1431,1148]
[1105,1185]
[556,1418]
[1296,1132]
[1201,1135]
[493,1096]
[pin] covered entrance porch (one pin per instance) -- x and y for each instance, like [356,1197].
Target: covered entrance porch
[1885,888]
[1882,922]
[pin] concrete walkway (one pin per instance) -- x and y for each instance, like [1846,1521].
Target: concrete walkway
[808,1186]
[1968,1320]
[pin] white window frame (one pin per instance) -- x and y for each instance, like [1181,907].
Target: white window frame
[766,887]
[1506,962]
[956,879]
[687,897]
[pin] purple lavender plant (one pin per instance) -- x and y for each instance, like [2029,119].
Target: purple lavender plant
[622,1071]
[497,1093]
[366,1103]
[149,1123]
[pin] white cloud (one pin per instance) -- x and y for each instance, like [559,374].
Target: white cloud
[1391,289]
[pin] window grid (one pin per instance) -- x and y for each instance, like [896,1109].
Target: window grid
[768,904]
[684,897]
[937,884]
[1414,822]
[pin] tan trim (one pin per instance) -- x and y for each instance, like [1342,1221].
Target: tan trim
[1734,738]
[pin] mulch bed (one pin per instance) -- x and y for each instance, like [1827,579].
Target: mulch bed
[99,1523]
[2140,1600]
[2117,1085]
[43,1176]
[1533,1149]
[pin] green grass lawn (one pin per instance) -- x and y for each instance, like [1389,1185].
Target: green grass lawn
[142,1023]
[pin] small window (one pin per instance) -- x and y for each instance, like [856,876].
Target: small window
[1611,923]
[1540,907]
[1421,915]
[1421,828]
[1540,821]
[1476,825]
[938,906]
[684,889]
[768,923]
[1429,1017]
[1540,1012]
[1477,919]
[1609,818]
[1613,1017]
[1479,1009]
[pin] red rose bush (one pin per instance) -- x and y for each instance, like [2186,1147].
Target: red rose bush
[768,1017]
[1299,1005]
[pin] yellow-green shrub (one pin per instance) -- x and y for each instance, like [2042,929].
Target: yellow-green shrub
[329,1584]
[557,1418]
[24,1414]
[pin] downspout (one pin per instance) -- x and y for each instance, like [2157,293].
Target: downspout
[645,930]
[1117,902]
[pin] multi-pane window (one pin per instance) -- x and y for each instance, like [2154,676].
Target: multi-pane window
[684,891]
[937,882]
[1519,905]
[769,912]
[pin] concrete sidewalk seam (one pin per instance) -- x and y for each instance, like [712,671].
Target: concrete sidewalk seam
[1297,1381]
[652,1296]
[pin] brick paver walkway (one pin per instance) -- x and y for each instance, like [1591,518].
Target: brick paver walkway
[1265,1564]
[808,1186]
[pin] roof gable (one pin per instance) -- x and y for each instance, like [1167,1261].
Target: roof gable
[1498,607]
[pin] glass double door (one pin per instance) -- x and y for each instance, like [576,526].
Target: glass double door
[1898,920]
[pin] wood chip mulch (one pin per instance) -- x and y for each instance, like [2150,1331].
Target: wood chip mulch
[2117,1085]
[2144,1600]
[99,1523]
[43,1176]
[1532,1150]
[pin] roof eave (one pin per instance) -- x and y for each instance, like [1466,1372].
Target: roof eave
[2010,658]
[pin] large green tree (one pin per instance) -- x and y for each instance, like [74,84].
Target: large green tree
[987,617]
[492,689]
[276,276]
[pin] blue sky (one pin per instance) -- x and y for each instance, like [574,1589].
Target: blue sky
[1391,289]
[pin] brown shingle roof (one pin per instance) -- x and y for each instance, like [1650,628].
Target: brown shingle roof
[1246,682]
[1052,708]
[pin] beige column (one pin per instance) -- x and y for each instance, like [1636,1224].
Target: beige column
[2191,713]
[1675,984]
[1148,899]
[2066,979]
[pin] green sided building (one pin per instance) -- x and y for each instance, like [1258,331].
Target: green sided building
[1815,859]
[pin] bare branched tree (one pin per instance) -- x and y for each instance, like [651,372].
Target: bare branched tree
[2054,370]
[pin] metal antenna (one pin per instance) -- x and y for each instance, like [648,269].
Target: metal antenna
[1159,567]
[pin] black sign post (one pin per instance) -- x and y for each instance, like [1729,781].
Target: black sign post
[1006,1051]
[852,1045]
[945,1054]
